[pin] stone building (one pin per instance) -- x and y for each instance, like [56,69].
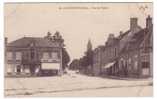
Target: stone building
[135,59]
[34,55]
[105,56]
[129,54]
[110,55]
[97,60]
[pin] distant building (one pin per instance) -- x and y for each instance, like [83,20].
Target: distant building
[34,55]
[98,60]
[105,56]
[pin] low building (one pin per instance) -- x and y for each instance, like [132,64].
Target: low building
[34,55]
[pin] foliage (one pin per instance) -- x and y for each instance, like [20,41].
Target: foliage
[65,58]
[74,65]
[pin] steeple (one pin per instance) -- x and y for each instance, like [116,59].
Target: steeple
[89,45]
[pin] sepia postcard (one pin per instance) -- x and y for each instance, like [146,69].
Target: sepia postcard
[97,49]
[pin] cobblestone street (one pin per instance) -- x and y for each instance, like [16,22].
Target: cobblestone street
[73,84]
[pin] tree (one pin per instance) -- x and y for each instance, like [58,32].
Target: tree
[74,65]
[89,54]
[89,57]
[87,60]
[65,58]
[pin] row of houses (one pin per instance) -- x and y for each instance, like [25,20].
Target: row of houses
[130,54]
[34,55]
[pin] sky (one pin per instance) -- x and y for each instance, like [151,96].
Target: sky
[76,22]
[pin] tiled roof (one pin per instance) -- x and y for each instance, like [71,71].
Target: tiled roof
[121,36]
[37,41]
[136,40]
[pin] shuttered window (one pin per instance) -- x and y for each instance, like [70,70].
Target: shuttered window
[18,55]
[9,56]
[45,55]
[54,55]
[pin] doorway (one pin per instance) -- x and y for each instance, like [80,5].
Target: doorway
[145,68]
[18,69]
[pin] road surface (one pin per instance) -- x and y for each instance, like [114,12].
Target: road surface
[73,84]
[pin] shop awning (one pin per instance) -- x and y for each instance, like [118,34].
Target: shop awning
[108,65]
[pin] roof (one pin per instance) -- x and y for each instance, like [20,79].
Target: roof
[37,41]
[148,41]
[136,40]
[122,35]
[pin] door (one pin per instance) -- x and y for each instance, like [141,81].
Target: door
[145,68]
[18,69]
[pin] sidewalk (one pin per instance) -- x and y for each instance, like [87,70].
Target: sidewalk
[126,78]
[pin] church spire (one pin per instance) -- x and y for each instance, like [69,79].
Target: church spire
[89,45]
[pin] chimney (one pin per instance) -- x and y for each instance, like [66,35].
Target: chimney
[111,36]
[149,22]
[133,23]
[120,33]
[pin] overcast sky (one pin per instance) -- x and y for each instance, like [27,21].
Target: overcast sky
[77,22]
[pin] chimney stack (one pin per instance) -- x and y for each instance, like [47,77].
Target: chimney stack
[111,36]
[133,23]
[149,23]
[121,33]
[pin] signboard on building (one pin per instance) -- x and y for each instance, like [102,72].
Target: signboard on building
[50,66]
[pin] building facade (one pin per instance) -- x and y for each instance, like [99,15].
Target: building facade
[135,59]
[110,55]
[34,55]
[98,60]
[128,55]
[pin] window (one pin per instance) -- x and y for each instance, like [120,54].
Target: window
[45,55]
[129,60]
[32,54]
[115,51]
[54,55]
[18,55]
[145,64]
[136,65]
[9,56]
[50,55]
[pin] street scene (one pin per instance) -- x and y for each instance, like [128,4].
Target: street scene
[78,49]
